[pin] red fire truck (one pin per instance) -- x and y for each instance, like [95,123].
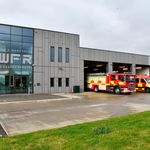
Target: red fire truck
[112,82]
[143,83]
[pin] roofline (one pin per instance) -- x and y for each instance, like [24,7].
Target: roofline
[73,34]
[38,29]
[113,51]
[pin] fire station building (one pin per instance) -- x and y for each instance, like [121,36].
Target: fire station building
[43,61]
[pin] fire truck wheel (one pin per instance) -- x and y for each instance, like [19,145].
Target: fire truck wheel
[95,89]
[147,90]
[117,90]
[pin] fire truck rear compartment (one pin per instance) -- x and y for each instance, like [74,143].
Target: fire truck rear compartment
[122,68]
[93,67]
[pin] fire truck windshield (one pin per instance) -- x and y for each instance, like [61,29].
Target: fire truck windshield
[148,80]
[130,78]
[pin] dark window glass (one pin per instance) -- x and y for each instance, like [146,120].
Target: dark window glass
[16,47]
[4,29]
[16,38]
[16,30]
[137,80]
[4,46]
[27,39]
[27,48]
[38,84]
[143,81]
[7,80]
[67,55]
[67,82]
[59,54]
[51,82]
[27,32]
[5,37]
[59,82]
[52,54]
[2,84]
[121,78]
[113,77]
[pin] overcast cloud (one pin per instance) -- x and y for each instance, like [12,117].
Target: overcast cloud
[119,25]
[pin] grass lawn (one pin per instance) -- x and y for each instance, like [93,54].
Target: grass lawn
[130,132]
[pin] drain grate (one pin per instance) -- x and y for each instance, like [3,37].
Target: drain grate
[2,131]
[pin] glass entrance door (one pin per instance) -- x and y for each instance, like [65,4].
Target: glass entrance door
[21,84]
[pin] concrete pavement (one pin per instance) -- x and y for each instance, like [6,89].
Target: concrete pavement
[21,117]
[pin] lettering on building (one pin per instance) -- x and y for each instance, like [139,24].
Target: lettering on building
[24,59]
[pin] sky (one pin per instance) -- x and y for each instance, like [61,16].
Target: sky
[118,25]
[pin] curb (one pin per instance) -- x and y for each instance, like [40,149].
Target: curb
[3,126]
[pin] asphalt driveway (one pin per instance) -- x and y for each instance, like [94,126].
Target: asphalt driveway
[21,117]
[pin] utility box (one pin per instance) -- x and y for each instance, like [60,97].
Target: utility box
[76,89]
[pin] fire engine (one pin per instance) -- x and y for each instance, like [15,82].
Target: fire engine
[111,82]
[143,83]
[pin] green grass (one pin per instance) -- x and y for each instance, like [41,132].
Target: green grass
[130,132]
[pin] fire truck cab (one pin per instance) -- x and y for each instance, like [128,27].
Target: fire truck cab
[112,82]
[143,83]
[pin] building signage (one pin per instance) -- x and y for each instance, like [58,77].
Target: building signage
[24,59]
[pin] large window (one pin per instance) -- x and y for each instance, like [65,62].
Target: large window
[4,29]
[59,82]
[67,55]
[27,32]
[67,82]
[52,54]
[16,46]
[5,37]
[16,30]
[59,54]
[51,82]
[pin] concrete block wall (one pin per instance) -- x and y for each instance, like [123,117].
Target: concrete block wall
[44,69]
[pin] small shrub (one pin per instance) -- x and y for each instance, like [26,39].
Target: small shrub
[100,130]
